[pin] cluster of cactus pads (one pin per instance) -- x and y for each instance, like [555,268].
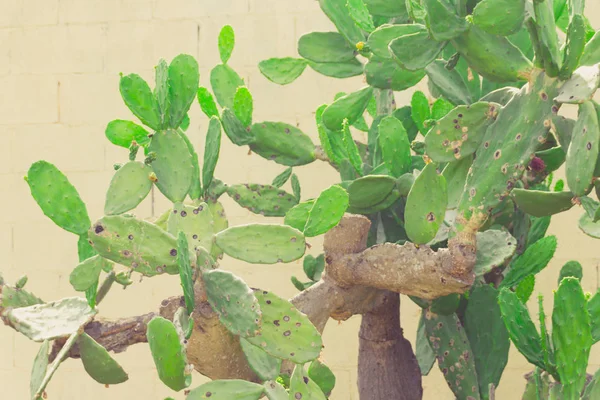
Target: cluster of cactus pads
[477,155]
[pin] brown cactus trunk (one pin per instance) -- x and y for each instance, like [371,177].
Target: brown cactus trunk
[387,366]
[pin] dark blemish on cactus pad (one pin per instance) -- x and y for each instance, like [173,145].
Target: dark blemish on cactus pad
[286,318]
[183,214]
[265,292]
[287,333]
[305,379]
[194,236]
[208,394]
[98,229]
[268,301]
[298,395]
[430,217]
[293,240]
[497,154]
[276,322]
[298,324]
[126,253]
[287,130]
[174,211]
[130,237]
[134,265]
[554,109]
[173,252]
[486,144]
[589,145]
[544,96]
[519,136]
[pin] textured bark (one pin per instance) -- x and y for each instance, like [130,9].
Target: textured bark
[387,366]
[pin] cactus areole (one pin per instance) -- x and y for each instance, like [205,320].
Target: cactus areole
[446,202]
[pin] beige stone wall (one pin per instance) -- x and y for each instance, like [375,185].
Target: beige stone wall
[59,70]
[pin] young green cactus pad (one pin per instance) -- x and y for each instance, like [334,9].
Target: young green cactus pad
[227,389]
[285,332]
[581,87]
[592,390]
[545,28]
[423,351]
[98,363]
[354,158]
[574,46]
[86,274]
[494,248]
[525,288]
[233,301]
[15,298]
[327,211]
[571,336]
[588,226]
[140,100]
[196,222]
[282,71]
[349,107]
[38,371]
[186,272]
[128,187]
[499,17]
[161,90]
[173,164]
[540,204]
[449,83]
[224,82]
[297,216]
[57,197]
[442,20]
[489,341]
[282,178]
[571,269]
[322,375]
[168,353]
[520,327]
[583,150]
[266,200]
[143,246]
[360,14]
[302,387]
[461,132]
[337,12]
[455,357]
[426,205]
[243,105]
[183,87]
[207,102]
[212,147]
[50,321]
[234,129]
[416,50]
[226,42]
[264,365]
[395,146]
[275,391]
[184,324]
[419,111]
[123,133]
[591,55]
[456,176]
[325,47]
[195,190]
[532,261]
[593,308]
[262,243]
[283,143]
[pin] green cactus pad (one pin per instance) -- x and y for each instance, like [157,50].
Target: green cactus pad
[360,14]
[196,222]
[424,352]
[327,211]
[499,17]
[574,47]
[50,321]
[346,69]
[297,216]
[303,387]
[183,87]
[57,197]
[233,301]
[212,147]
[265,366]
[583,150]
[227,389]
[493,57]
[128,188]
[589,227]
[592,390]
[224,82]
[15,298]
[571,269]
[384,8]
[415,51]
[591,53]
[168,353]
[143,246]
[123,133]
[426,205]
[395,146]
[354,157]
[349,107]
[314,266]
[540,203]
[501,96]
[461,132]
[243,106]
[322,375]
[337,12]
[449,83]
[387,74]
[593,307]
[283,143]
[275,391]
[161,90]
[443,21]
[98,363]
[520,327]
[262,243]
[384,204]
[207,102]
[553,158]
[325,47]
[86,274]
[282,71]
[370,190]
[285,333]
[186,272]
[420,111]
[525,288]
[234,129]
[266,200]
[455,174]
[195,188]
[184,324]
[140,100]
[173,164]
[532,261]
[445,305]
[581,87]
[38,372]
[489,341]
[282,178]
[547,37]
[380,38]
[455,357]
[571,336]
[507,147]
[226,42]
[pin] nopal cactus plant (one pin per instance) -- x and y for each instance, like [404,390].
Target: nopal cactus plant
[448,202]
